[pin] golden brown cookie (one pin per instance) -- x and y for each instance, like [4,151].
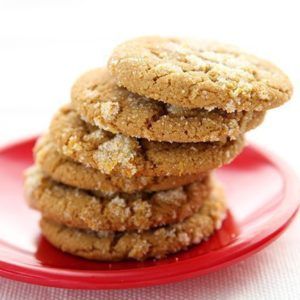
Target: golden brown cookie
[192,74]
[117,154]
[118,212]
[99,101]
[157,243]
[65,170]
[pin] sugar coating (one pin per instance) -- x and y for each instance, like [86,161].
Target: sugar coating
[119,208]
[69,172]
[33,179]
[91,94]
[118,201]
[109,110]
[143,207]
[184,238]
[178,71]
[118,151]
[119,212]
[155,243]
[171,195]
[118,154]
[119,111]
[95,136]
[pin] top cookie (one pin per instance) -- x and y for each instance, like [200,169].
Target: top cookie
[194,74]
[99,101]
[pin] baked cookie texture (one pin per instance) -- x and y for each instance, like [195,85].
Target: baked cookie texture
[114,212]
[154,243]
[67,171]
[125,169]
[98,100]
[195,74]
[118,154]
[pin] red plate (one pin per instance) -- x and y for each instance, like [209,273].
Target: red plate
[263,195]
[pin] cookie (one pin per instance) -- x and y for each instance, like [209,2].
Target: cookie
[117,212]
[154,243]
[98,100]
[67,171]
[118,154]
[195,74]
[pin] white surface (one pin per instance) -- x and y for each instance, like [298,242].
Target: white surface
[45,45]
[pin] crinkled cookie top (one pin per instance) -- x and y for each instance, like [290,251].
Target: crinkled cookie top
[192,73]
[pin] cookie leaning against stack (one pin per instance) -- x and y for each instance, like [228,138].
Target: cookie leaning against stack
[124,171]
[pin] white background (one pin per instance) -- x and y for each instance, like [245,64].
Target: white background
[45,45]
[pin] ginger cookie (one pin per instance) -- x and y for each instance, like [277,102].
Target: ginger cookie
[117,212]
[118,154]
[154,243]
[195,74]
[99,101]
[67,171]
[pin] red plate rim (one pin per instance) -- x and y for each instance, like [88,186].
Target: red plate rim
[176,271]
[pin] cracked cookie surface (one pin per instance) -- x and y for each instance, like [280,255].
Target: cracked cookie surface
[99,101]
[113,212]
[67,171]
[155,243]
[192,73]
[117,154]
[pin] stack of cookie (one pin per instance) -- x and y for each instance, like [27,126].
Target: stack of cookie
[125,169]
